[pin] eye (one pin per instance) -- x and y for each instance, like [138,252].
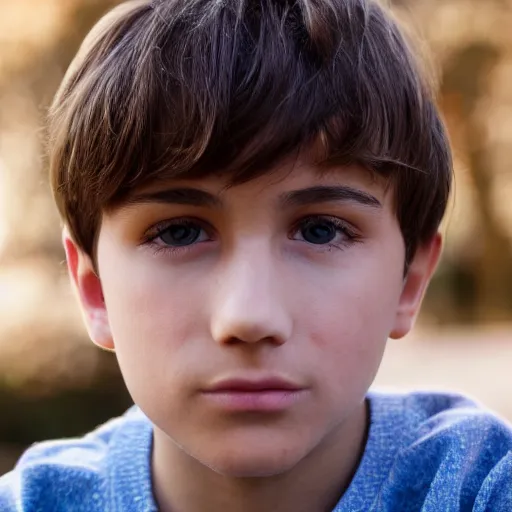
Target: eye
[321,230]
[179,233]
[318,232]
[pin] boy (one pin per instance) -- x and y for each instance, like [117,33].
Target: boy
[252,191]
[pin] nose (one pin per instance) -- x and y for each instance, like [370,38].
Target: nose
[250,301]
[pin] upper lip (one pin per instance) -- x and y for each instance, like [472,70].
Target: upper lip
[240,384]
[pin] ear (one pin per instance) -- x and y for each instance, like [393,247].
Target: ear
[418,277]
[87,286]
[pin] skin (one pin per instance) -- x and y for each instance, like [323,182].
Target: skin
[256,293]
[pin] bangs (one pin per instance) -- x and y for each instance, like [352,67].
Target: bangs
[188,88]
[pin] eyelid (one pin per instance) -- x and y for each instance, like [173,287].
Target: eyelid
[157,229]
[342,225]
[337,221]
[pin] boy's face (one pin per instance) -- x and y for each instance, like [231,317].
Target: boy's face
[249,322]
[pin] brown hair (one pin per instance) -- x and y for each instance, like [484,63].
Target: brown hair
[169,88]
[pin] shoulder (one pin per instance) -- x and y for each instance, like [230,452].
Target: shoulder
[434,415]
[451,449]
[66,474]
[455,422]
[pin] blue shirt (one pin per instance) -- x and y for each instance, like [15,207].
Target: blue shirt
[424,453]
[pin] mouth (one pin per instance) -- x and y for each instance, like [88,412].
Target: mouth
[264,394]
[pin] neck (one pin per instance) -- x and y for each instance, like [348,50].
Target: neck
[183,484]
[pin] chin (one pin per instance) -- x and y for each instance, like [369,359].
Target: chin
[254,461]
[245,467]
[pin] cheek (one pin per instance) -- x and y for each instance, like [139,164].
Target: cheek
[153,314]
[349,320]
[137,313]
[358,300]
[150,300]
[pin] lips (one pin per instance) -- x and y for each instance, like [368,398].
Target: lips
[254,385]
[263,394]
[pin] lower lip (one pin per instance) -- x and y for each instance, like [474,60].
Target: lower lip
[255,401]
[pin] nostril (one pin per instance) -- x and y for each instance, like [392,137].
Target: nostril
[246,314]
[230,331]
[253,341]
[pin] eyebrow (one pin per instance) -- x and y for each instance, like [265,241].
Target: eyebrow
[184,196]
[325,194]
[302,197]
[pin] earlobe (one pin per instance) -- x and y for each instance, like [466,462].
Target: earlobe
[87,285]
[416,282]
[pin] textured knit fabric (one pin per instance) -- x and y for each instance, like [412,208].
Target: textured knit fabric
[425,452]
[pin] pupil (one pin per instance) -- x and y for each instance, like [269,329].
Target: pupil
[319,233]
[180,235]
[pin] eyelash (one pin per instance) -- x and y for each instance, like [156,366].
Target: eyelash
[151,237]
[154,233]
[341,226]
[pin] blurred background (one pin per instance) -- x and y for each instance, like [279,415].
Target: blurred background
[55,383]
